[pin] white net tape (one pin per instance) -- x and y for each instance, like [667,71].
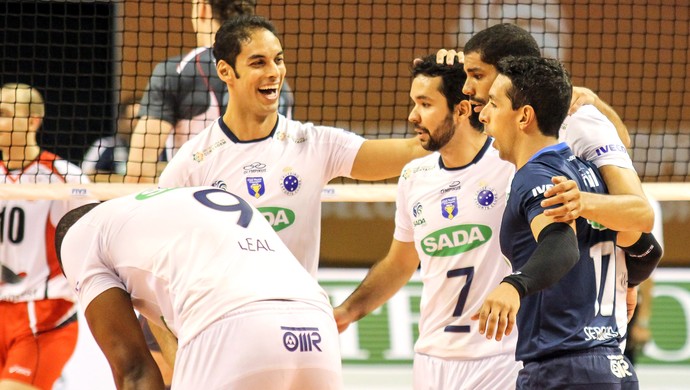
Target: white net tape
[331,193]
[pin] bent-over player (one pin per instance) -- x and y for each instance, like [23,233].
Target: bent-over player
[206,265]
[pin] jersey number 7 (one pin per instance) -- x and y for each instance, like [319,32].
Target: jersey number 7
[468,272]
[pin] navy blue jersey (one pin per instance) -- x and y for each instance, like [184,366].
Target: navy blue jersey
[577,312]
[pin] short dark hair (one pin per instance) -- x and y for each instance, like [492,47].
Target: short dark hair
[502,40]
[66,222]
[223,10]
[236,31]
[453,77]
[542,83]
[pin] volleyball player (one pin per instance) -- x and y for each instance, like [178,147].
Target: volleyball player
[184,94]
[590,134]
[448,215]
[279,165]
[38,313]
[567,334]
[206,265]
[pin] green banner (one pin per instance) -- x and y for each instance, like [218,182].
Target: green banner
[387,335]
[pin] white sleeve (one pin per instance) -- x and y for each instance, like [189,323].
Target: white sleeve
[592,137]
[404,231]
[341,148]
[83,264]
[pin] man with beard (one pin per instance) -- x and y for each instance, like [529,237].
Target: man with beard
[449,209]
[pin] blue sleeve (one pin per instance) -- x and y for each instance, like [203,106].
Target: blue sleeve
[529,185]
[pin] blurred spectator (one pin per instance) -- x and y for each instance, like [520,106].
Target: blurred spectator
[185,94]
[38,314]
[108,155]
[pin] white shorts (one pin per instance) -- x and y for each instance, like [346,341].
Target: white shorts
[495,372]
[268,345]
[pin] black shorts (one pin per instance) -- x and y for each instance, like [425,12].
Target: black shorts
[592,369]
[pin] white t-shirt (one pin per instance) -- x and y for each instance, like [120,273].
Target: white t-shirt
[283,175]
[454,218]
[30,269]
[186,256]
[592,137]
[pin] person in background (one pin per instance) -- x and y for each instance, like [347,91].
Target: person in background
[107,156]
[185,94]
[38,312]
[206,265]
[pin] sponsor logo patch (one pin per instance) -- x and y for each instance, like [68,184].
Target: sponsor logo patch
[256,186]
[619,366]
[455,240]
[278,217]
[301,339]
[449,207]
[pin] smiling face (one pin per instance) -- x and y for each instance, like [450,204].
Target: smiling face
[258,75]
[480,76]
[432,119]
[499,119]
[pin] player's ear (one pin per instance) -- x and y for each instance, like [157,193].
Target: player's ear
[463,109]
[527,117]
[225,71]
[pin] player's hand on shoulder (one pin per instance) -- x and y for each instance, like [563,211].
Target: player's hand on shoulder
[498,313]
[566,194]
[581,96]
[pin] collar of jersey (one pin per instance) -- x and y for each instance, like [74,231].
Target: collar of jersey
[475,160]
[555,148]
[236,140]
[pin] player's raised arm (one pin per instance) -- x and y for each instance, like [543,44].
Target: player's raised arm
[384,158]
[122,341]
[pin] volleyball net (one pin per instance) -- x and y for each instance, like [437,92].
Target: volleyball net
[348,66]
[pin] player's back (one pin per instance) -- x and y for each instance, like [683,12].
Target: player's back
[578,311]
[192,255]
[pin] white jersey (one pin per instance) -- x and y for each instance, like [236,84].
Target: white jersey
[592,137]
[30,270]
[283,175]
[454,217]
[188,268]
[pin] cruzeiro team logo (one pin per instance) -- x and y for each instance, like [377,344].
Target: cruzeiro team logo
[485,198]
[290,182]
[301,339]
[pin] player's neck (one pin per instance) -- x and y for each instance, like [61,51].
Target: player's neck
[530,146]
[247,126]
[17,157]
[463,148]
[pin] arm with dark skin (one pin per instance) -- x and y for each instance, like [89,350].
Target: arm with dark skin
[117,331]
